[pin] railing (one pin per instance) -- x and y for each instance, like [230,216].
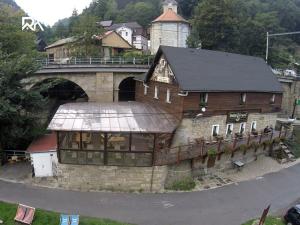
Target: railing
[147,61]
[10,154]
[200,148]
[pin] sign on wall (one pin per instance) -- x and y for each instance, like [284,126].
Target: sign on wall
[237,117]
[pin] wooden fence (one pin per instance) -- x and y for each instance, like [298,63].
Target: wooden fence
[202,147]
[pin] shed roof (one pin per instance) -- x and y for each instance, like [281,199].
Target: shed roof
[170,16]
[62,42]
[132,117]
[46,143]
[198,70]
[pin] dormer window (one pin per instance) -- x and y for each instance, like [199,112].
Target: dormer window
[272,100]
[156,92]
[243,98]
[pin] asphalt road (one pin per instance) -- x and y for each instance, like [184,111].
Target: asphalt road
[229,205]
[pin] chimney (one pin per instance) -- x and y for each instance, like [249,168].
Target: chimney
[170,4]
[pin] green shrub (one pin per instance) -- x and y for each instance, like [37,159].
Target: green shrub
[243,147]
[186,184]
[212,152]
[228,149]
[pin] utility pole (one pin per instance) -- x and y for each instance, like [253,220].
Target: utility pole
[273,35]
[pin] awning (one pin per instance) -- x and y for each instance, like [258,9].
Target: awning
[134,117]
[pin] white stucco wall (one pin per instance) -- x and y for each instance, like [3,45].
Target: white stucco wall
[140,42]
[44,164]
[126,33]
[169,34]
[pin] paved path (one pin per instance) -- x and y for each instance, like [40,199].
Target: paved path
[229,205]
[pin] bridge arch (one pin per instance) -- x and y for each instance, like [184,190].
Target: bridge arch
[86,82]
[127,89]
[62,89]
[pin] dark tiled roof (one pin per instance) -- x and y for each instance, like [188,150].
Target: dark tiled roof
[214,71]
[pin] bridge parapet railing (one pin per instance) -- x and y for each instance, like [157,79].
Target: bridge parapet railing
[147,61]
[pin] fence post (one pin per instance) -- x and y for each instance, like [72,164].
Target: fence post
[90,60]
[260,138]
[120,60]
[75,60]
[249,137]
[134,60]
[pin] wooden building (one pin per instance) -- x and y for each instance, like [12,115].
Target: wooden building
[212,93]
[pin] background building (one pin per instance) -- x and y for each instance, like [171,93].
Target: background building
[169,29]
[133,33]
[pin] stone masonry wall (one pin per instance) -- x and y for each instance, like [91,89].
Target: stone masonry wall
[196,128]
[112,178]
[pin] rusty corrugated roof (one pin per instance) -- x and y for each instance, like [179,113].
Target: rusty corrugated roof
[46,143]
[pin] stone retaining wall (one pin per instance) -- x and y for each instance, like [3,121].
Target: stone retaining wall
[112,178]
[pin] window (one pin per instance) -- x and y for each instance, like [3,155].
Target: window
[145,90]
[118,142]
[242,128]
[243,98]
[229,129]
[156,92]
[126,33]
[142,143]
[272,100]
[203,99]
[215,130]
[168,99]
[253,126]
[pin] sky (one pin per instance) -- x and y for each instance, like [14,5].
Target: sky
[50,11]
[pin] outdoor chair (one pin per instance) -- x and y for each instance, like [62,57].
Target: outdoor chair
[74,219]
[25,214]
[69,220]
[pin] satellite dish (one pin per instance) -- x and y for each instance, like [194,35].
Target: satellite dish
[203,109]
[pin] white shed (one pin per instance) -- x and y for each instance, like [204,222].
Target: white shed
[44,156]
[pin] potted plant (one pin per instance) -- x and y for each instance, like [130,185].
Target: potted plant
[212,155]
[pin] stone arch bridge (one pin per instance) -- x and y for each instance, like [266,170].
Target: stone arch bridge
[100,82]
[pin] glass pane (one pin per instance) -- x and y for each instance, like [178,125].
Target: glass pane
[93,141]
[129,159]
[95,158]
[81,157]
[118,142]
[142,142]
[163,141]
[69,140]
[68,156]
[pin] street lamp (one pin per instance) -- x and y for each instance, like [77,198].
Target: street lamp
[276,34]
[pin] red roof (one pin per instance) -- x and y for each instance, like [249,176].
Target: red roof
[170,16]
[46,143]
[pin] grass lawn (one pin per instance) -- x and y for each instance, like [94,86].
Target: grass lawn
[8,212]
[269,221]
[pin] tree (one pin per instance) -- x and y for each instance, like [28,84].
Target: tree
[85,32]
[18,107]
